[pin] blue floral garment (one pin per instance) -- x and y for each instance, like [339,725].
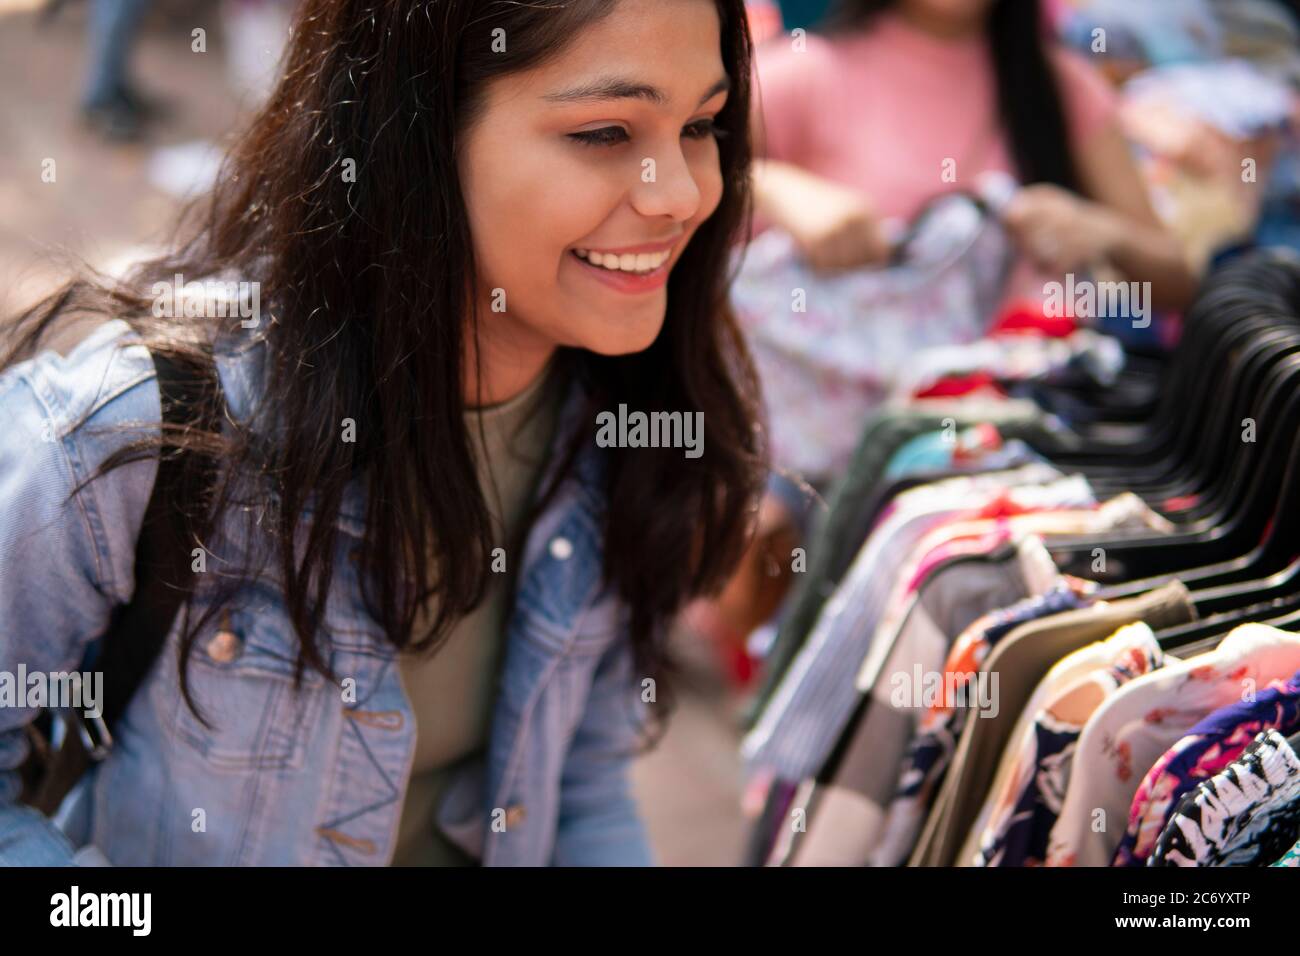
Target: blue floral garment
[1206,750]
[1245,816]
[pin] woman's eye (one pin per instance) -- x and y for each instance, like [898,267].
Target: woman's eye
[613,135]
[703,128]
[605,136]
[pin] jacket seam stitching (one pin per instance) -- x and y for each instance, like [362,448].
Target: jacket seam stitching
[56,414]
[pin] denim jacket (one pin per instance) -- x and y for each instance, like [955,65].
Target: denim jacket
[317,775]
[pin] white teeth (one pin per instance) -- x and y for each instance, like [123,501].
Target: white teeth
[628,262]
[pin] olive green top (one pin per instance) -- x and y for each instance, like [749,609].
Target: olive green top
[452,691]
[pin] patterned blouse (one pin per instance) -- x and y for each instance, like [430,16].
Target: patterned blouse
[1207,749]
[1248,815]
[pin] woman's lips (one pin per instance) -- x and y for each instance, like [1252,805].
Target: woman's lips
[629,282]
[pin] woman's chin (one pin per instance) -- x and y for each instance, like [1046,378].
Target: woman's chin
[624,336]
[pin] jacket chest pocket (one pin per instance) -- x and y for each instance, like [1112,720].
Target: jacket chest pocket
[241,676]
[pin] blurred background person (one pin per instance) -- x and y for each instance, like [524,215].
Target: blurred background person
[111,103]
[856,129]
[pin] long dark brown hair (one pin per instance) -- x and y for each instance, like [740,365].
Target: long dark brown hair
[369,283]
[1029,96]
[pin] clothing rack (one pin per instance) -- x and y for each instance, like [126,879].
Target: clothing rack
[1095,549]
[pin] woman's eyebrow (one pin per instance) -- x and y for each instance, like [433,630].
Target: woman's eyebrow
[617,88]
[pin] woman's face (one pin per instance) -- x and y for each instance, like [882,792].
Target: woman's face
[601,157]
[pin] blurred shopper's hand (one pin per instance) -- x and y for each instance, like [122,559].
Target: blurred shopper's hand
[1059,231]
[835,227]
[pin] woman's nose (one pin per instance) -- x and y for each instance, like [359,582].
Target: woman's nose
[666,187]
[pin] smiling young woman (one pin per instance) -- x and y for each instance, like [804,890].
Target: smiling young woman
[429,626]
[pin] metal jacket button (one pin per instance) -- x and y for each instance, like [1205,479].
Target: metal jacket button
[514,816]
[225,645]
[561,548]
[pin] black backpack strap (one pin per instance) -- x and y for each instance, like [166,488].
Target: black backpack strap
[190,395]
[163,556]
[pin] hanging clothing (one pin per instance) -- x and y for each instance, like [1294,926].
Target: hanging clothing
[1135,726]
[1016,757]
[1248,815]
[996,719]
[843,829]
[856,503]
[1206,750]
[810,709]
[929,753]
[1024,814]
[1123,512]
[1290,858]
[1021,659]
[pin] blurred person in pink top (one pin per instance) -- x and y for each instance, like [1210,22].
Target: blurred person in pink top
[896,102]
[901,100]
